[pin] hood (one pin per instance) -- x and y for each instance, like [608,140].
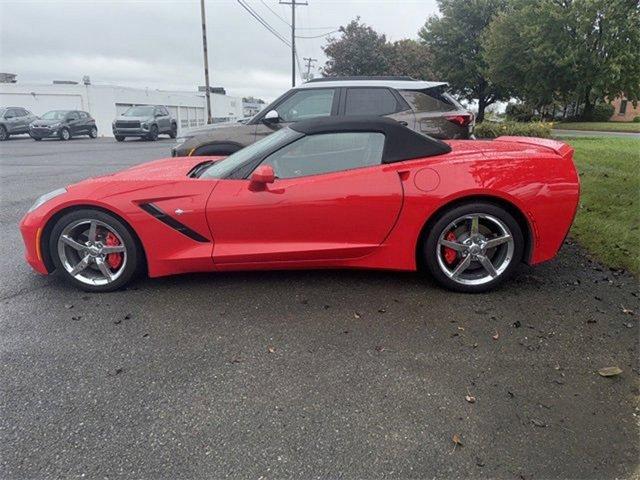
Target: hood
[175,168]
[41,122]
[209,128]
[134,119]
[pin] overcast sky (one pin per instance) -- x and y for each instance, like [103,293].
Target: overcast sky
[157,43]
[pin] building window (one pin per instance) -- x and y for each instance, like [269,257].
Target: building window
[623,107]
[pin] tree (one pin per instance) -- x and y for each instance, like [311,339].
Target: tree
[359,51]
[411,58]
[455,40]
[550,50]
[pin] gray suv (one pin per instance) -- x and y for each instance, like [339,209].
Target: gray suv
[144,121]
[14,121]
[420,105]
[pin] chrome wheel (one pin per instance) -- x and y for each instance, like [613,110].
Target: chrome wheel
[64,134]
[475,249]
[92,252]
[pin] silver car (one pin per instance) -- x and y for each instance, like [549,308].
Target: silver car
[419,105]
[14,121]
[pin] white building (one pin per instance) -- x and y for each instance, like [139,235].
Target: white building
[105,102]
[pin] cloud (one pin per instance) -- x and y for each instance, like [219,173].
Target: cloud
[158,44]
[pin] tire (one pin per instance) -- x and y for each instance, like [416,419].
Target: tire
[64,134]
[119,138]
[37,139]
[153,133]
[93,133]
[4,135]
[465,268]
[77,225]
[173,133]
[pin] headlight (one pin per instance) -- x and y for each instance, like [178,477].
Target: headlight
[46,197]
[145,125]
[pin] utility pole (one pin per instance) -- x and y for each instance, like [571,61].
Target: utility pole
[206,61]
[309,62]
[293,4]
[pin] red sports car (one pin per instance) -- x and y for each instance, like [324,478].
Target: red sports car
[360,192]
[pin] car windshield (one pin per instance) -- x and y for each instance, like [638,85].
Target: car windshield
[2,111]
[224,167]
[142,111]
[55,115]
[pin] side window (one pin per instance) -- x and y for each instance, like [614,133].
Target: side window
[21,112]
[370,101]
[83,115]
[12,113]
[326,153]
[306,104]
[72,116]
[165,111]
[425,101]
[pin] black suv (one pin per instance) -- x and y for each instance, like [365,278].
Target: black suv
[420,105]
[144,121]
[63,124]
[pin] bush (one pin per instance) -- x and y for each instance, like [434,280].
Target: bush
[601,113]
[636,119]
[519,129]
[516,129]
[519,112]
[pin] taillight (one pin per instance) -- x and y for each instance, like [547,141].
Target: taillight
[462,119]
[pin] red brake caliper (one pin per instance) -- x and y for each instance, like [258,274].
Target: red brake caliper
[450,255]
[113,259]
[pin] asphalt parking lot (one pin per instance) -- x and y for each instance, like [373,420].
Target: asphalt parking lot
[309,374]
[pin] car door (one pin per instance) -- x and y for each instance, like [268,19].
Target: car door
[332,200]
[74,123]
[83,123]
[12,120]
[23,120]
[162,119]
[299,105]
[380,101]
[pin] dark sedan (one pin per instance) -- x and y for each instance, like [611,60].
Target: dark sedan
[63,124]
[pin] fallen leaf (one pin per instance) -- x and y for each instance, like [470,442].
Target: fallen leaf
[470,399]
[380,348]
[456,440]
[382,310]
[496,336]
[68,306]
[538,423]
[610,371]
[271,349]
[517,324]
[127,316]
[461,328]
[356,314]
[75,319]
[627,311]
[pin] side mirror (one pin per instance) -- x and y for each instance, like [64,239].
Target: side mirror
[262,175]
[272,116]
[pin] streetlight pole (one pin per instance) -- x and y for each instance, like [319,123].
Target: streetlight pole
[206,61]
[293,37]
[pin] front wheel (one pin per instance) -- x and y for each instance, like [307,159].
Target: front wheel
[93,250]
[93,133]
[119,138]
[4,135]
[153,133]
[473,247]
[64,134]
[173,133]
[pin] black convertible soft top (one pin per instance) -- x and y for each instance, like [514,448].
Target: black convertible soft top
[401,143]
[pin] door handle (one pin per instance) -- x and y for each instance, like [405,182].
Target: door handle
[403,123]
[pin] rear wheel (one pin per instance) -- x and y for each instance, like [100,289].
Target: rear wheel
[94,250]
[173,133]
[64,134]
[4,135]
[473,247]
[93,133]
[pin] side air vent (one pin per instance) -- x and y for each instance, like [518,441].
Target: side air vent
[156,212]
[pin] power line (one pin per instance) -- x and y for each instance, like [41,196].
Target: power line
[264,23]
[274,12]
[318,36]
